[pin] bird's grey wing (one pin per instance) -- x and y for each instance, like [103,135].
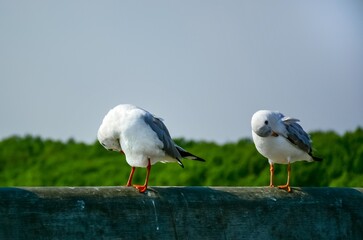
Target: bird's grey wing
[162,132]
[296,134]
[289,120]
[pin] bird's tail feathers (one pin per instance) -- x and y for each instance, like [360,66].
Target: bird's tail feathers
[318,159]
[180,163]
[188,155]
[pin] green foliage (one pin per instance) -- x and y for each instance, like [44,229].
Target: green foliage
[32,161]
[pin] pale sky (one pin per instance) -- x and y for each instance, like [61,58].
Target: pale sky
[203,66]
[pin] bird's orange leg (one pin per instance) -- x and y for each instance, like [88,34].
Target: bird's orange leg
[129,182]
[142,188]
[272,170]
[287,186]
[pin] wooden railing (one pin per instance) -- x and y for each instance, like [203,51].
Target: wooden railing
[180,213]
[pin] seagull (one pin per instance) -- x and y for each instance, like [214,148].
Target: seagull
[282,140]
[142,137]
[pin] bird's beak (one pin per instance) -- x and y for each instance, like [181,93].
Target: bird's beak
[264,131]
[274,134]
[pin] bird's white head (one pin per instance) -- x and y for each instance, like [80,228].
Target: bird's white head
[264,122]
[109,132]
[110,143]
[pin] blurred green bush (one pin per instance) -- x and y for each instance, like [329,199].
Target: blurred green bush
[33,161]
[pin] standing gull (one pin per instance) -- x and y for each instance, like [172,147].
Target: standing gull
[142,137]
[282,140]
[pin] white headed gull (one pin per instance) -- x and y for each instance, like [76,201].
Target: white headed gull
[142,137]
[282,140]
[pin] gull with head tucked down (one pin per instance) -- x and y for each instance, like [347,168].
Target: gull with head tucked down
[282,140]
[142,137]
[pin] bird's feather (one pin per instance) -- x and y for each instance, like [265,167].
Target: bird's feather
[186,154]
[296,134]
[162,132]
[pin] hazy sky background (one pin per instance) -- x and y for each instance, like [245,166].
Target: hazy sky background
[203,66]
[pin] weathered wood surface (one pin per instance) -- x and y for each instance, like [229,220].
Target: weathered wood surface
[180,213]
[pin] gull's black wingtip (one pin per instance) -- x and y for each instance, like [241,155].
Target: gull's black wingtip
[317,159]
[180,163]
[197,158]
[188,155]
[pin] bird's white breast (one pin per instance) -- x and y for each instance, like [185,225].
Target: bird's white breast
[139,142]
[279,149]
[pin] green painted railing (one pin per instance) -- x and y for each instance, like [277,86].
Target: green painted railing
[180,213]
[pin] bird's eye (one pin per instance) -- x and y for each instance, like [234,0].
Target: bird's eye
[266,122]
